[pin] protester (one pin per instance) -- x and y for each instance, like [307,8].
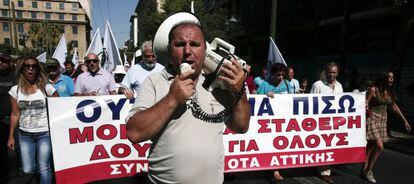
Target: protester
[277,84]
[183,119]
[69,68]
[7,80]
[251,85]
[379,97]
[327,85]
[95,81]
[62,83]
[303,86]
[80,68]
[293,82]
[28,102]
[119,74]
[139,72]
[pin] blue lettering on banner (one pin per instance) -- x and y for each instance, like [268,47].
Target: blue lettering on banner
[305,102]
[351,107]
[327,109]
[116,108]
[302,104]
[265,107]
[80,111]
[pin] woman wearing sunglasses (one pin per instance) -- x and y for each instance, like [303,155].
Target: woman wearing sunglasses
[28,101]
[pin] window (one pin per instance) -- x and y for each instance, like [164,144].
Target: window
[61,16]
[75,43]
[6,27]
[6,2]
[62,6]
[34,4]
[75,7]
[20,3]
[74,29]
[34,15]
[47,15]
[74,17]
[20,28]
[7,41]
[48,5]
[4,13]
[19,14]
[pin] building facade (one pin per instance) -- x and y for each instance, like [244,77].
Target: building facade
[18,15]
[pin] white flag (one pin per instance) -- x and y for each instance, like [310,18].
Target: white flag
[110,53]
[75,57]
[60,51]
[96,44]
[192,7]
[133,60]
[125,60]
[273,57]
[42,57]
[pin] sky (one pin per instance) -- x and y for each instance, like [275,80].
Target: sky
[117,12]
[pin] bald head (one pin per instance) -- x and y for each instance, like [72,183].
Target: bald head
[92,62]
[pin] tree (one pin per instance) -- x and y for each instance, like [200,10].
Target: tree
[212,22]
[45,35]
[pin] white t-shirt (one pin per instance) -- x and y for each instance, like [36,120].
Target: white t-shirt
[323,87]
[33,114]
[295,84]
[137,74]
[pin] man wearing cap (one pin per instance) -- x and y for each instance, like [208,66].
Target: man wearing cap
[7,80]
[139,72]
[69,68]
[95,81]
[119,74]
[184,120]
[62,83]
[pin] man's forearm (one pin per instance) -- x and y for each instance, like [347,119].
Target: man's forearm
[145,125]
[240,116]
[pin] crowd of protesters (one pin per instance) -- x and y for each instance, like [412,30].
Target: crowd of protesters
[25,83]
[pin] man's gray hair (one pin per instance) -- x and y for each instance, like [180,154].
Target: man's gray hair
[146,44]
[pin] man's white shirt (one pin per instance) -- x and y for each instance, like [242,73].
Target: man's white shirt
[137,74]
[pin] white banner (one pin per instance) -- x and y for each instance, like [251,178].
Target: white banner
[89,136]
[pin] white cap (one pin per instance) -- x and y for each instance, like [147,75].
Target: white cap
[119,69]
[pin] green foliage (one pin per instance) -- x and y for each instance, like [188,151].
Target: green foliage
[45,35]
[212,22]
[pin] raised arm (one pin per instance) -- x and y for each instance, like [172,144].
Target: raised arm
[146,124]
[234,77]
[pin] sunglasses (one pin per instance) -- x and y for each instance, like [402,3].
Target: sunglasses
[52,68]
[91,60]
[33,66]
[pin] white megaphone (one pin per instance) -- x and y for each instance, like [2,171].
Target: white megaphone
[217,53]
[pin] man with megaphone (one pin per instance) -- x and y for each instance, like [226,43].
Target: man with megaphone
[182,118]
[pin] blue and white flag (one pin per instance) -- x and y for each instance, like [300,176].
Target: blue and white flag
[112,57]
[273,57]
[61,51]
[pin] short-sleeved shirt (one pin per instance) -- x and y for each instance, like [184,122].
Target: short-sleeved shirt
[64,85]
[137,74]
[102,83]
[33,114]
[190,147]
[6,83]
[323,87]
[283,87]
[295,85]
